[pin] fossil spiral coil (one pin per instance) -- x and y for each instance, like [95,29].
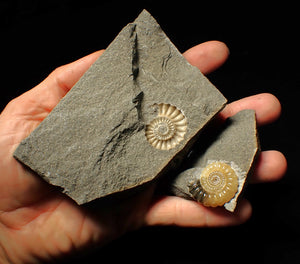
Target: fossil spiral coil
[166,130]
[217,184]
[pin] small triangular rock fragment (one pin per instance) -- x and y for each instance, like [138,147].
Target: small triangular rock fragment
[211,180]
[140,105]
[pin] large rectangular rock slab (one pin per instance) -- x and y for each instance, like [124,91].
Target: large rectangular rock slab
[94,141]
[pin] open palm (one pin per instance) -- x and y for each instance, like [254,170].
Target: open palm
[38,223]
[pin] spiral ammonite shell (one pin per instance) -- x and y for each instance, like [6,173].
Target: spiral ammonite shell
[217,185]
[166,130]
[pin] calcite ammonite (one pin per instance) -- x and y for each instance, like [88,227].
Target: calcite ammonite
[166,130]
[217,184]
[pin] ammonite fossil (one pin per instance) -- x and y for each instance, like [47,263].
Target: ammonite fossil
[168,129]
[217,184]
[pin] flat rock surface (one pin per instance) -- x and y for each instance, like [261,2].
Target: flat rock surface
[93,142]
[237,142]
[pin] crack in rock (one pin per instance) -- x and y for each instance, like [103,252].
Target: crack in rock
[117,142]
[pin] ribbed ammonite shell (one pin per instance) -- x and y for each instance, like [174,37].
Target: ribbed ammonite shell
[217,185]
[166,130]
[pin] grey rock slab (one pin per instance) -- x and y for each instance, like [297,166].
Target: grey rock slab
[237,143]
[93,142]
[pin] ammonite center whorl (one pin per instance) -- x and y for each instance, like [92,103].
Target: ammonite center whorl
[217,185]
[163,128]
[168,128]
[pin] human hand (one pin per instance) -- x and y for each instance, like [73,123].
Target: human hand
[38,223]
